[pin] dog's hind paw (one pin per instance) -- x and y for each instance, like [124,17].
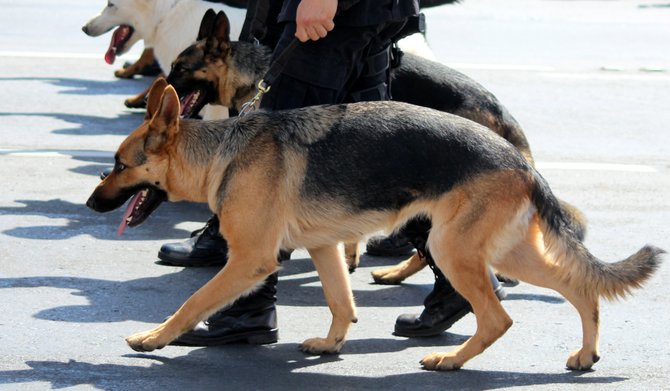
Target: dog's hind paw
[145,342]
[388,276]
[441,362]
[124,73]
[321,346]
[582,360]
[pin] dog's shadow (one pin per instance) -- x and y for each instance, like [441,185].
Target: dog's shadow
[79,220]
[75,86]
[282,366]
[275,367]
[89,125]
[151,299]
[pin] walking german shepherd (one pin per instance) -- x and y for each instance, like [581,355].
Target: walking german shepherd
[216,71]
[320,175]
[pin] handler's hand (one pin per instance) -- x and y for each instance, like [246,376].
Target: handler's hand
[314,19]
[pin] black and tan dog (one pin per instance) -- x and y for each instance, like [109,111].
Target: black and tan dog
[217,71]
[313,177]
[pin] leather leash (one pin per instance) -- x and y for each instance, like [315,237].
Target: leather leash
[270,77]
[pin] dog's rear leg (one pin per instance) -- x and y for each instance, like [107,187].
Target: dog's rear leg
[336,286]
[241,274]
[528,263]
[146,59]
[396,274]
[472,226]
[469,276]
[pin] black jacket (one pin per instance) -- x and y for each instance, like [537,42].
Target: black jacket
[360,12]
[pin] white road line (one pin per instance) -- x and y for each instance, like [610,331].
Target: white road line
[635,74]
[48,55]
[60,153]
[501,67]
[97,56]
[592,166]
[577,166]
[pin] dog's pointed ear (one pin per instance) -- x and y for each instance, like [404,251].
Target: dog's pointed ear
[207,25]
[222,29]
[165,122]
[154,97]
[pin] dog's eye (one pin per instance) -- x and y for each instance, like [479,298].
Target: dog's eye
[109,4]
[119,167]
[179,68]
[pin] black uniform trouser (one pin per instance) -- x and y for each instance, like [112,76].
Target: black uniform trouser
[350,64]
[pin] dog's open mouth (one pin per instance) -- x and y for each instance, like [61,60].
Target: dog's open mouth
[192,103]
[117,45]
[143,203]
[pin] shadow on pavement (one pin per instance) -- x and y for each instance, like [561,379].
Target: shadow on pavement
[79,220]
[76,86]
[275,367]
[89,125]
[151,299]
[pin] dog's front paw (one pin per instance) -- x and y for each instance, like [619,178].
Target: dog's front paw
[582,360]
[146,341]
[441,362]
[321,346]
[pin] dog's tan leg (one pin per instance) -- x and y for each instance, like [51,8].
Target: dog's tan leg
[528,263]
[337,289]
[491,218]
[468,275]
[146,59]
[235,279]
[396,274]
[352,255]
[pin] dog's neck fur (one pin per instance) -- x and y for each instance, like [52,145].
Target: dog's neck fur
[251,63]
[205,148]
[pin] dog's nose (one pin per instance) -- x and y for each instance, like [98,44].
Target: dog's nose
[91,203]
[85,29]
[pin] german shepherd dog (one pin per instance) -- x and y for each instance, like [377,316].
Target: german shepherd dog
[215,70]
[313,177]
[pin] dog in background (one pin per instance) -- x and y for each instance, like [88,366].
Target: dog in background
[320,175]
[216,71]
[166,26]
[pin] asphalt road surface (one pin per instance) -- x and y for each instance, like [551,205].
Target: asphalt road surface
[588,80]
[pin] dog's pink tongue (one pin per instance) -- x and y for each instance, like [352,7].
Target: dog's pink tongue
[128,212]
[110,56]
[186,102]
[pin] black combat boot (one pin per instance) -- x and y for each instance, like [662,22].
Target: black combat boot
[205,247]
[394,245]
[443,306]
[251,319]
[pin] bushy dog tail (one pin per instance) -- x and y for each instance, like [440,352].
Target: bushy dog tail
[576,266]
[575,219]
